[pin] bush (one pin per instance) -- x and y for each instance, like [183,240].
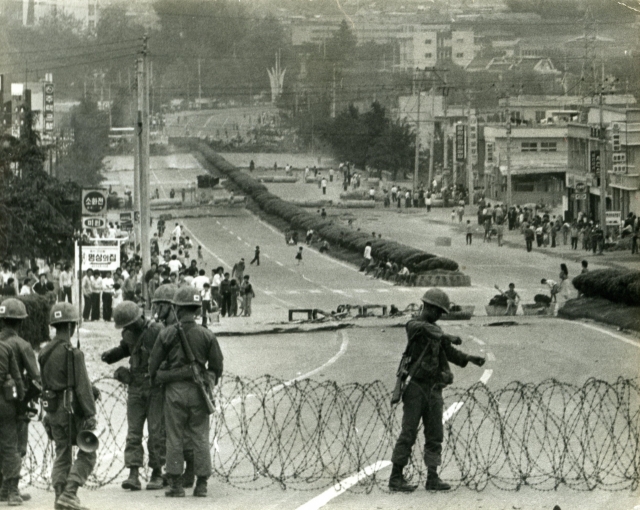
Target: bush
[617,285]
[416,260]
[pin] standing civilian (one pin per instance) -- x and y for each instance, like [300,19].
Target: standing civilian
[66,283]
[86,294]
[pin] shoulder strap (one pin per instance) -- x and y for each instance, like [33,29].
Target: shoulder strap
[45,357]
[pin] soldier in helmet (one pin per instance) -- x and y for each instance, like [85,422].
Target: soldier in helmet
[185,410]
[55,359]
[422,400]
[12,391]
[11,317]
[144,400]
[162,304]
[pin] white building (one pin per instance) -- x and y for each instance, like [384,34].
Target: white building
[86,11]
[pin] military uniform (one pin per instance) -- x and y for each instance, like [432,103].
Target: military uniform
[422,400]
[10,461]
[53,366]
[185,410]
[28,367]
[145,401]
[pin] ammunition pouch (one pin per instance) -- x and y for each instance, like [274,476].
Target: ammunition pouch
[50,401]
[174,375]
[123,375]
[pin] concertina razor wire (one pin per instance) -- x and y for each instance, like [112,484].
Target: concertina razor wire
[307,434]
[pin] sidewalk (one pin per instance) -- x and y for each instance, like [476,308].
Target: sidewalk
[515,239]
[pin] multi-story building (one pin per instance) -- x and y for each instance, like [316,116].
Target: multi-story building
[618,149]
[86,11]
[537,109]
[537,157]
[423,46]
[15,98]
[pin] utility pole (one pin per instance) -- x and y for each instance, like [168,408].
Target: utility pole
[432,138]
[416,166]
[137,148]
[199,80]
[145,214]
[603,168]
[333,100]
[469,161]
[509,190]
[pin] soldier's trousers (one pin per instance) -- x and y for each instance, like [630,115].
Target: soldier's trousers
[420,403]
[145,403]
[23,434]
[187,424]
[65,470]
[10,461]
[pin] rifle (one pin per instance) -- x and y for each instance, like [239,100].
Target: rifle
[69,396]
[404,376]
[196,368]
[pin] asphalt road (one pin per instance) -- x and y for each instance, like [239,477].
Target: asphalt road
[530,351]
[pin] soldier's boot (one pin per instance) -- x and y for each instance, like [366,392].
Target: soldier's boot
[4,495]
[201,487]
[397,481]
[433,481]
[133,482]
[175,487]
[69,498]
[13,497]
[188,476]
[156,482]
[59,489]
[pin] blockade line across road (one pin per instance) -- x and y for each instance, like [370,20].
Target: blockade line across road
[344,485]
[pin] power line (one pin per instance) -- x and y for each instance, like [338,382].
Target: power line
[61,48]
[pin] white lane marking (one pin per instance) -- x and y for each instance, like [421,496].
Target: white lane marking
[486,376]
[382,290]
[309,248]
[159,183]
[293,292]
[476,340]
[614,335]
[453,409]
[268,292]
[343,348]
[336,291]
[491,356]
[266,255]
[360,291]
[404,289]
[197,240]
[279,263]
[217,222]
[238,237]
[231,232]
[247,243]
[343,486]
[315,291]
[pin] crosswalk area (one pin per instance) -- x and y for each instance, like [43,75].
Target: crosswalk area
[294,292]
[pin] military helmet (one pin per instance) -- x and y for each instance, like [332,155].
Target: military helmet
[63,312]
[126,313]
[13,308]
[438,298]
[187,296]
[164,293]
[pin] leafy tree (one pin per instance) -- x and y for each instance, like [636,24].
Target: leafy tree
[37,212]
[370,139]
[83,164]
[393,149]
